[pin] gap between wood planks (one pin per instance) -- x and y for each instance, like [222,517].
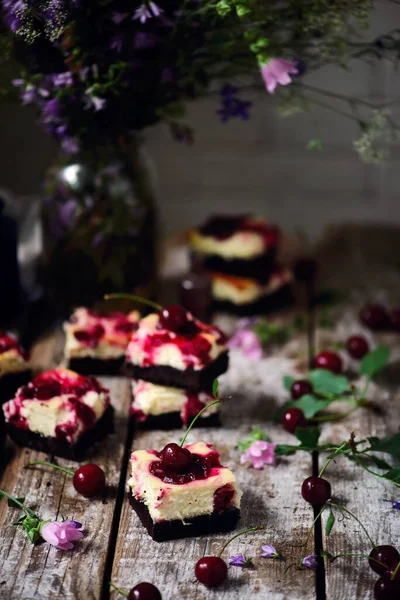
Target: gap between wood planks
[105,586]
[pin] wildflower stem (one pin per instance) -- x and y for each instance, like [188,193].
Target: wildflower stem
[123,592]
[18,503]
[258,527]
[341,508]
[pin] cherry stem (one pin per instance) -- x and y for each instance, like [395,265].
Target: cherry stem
[123,592]
[341,508]
[134,299]
[329,460]
[393,577]
[359,555]
[207,406]
[48,464]
[18,503]
[257,528]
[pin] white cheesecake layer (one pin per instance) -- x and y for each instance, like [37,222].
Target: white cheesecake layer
[158,400]
[238,290]
[242,245]
[11,361]
[166,501]
[142,352]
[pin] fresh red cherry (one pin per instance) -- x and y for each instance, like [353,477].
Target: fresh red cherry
[385,589]
[175,458]
[144,591]
[375,316]
[395,319]
[357,346]
[388,555]
[173,317]
[211,570]
[328,360]
[89,481]
[306,270]
[293,418]
[316,490]
[391,570]
[300,388]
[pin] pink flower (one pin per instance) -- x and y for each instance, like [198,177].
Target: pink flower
[260,453]
[62,534]
[278,70]
[248,342]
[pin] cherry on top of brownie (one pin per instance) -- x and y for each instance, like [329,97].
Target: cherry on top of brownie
[90,328]
[224,227]
[174,337]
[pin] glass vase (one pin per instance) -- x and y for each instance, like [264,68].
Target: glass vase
[99,228]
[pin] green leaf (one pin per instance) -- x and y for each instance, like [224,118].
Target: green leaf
[215,388]
[284,450]
[325,382]
[299,323]
[389,445]
[374,361]
[329,523]
[378,462]
[308,436]
[310,405]
[288,382]
[393,475]
[13,504]
[33,535]
[256,434]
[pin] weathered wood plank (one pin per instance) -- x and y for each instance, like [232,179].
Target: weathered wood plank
[271,497]
[43,572]
[352,487]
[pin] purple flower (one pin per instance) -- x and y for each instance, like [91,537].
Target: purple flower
[62,79]
[310,562]
[145,40]
[98,238]
[232,105]
[117,42]
[277,71]
[51,110]
[395,504]
[260,453]
[28,95]
[143,13]
[269,551]
[95,102]
[62,534]
[18,82]
[14,12]
[118,17]
[238,561]
[67,213]
[70,145]
[248,342]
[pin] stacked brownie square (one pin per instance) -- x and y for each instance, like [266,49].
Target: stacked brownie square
[173,359]
[240,254]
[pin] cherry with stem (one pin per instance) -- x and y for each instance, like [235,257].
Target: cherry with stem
[89,480]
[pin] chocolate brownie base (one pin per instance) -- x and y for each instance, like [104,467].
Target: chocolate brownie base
[188,379]
[217,522]
[173,420]
[62,448]
[95,366]
[256,268]
[10,382]
[266,304]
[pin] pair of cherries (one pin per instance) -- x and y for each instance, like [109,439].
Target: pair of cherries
[375,316]
[384,561]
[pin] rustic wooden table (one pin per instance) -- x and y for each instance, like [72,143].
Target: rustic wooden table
[117,548]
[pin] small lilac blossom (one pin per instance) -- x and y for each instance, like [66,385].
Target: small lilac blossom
[395,504]
[269,551]
[260,453]
[62,534]
[310,562]
[95,102]
[28,95]
[118,17]
[142,13]
[117,43]
[70,145]
[248,342]
[18,82]
[62,79]
[237,561]
[277,71]
[156,10]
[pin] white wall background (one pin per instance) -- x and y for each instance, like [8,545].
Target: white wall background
[260,165]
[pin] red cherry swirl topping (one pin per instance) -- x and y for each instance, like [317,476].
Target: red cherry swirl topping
[182,466]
